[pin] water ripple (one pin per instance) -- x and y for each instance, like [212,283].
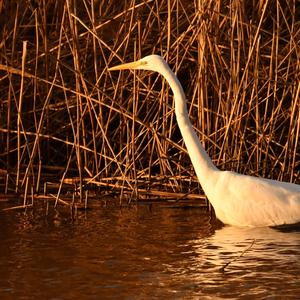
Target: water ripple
[138,253]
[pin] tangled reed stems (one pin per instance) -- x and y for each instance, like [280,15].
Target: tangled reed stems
[65,118]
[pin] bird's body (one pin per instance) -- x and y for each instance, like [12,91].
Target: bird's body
[237,199]
[252,201]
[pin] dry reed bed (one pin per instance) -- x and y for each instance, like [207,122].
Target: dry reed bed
[64,116]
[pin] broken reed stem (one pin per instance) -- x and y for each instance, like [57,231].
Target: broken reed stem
[222,269]
[19,119]
[26,191]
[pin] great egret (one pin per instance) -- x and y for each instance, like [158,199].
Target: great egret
[237,199]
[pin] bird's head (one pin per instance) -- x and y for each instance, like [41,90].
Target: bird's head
[151,62]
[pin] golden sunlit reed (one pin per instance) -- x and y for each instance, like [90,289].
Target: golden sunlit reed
[67,124]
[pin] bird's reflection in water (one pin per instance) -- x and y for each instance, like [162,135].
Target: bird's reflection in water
[239,262]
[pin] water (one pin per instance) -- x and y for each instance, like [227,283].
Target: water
[143,252]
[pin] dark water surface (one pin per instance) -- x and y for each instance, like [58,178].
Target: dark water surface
[143,252]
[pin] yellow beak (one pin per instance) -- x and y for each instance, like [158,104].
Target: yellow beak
[132,65]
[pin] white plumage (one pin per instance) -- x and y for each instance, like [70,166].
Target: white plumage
[237,199]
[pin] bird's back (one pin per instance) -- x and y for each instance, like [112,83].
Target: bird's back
[252,201]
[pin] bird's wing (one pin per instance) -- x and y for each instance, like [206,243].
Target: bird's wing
[255,201]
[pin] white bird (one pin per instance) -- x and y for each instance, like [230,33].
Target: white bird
[237,199]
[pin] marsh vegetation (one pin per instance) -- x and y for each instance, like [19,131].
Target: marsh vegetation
[68,124]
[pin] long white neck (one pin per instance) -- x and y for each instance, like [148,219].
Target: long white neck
[203,165]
